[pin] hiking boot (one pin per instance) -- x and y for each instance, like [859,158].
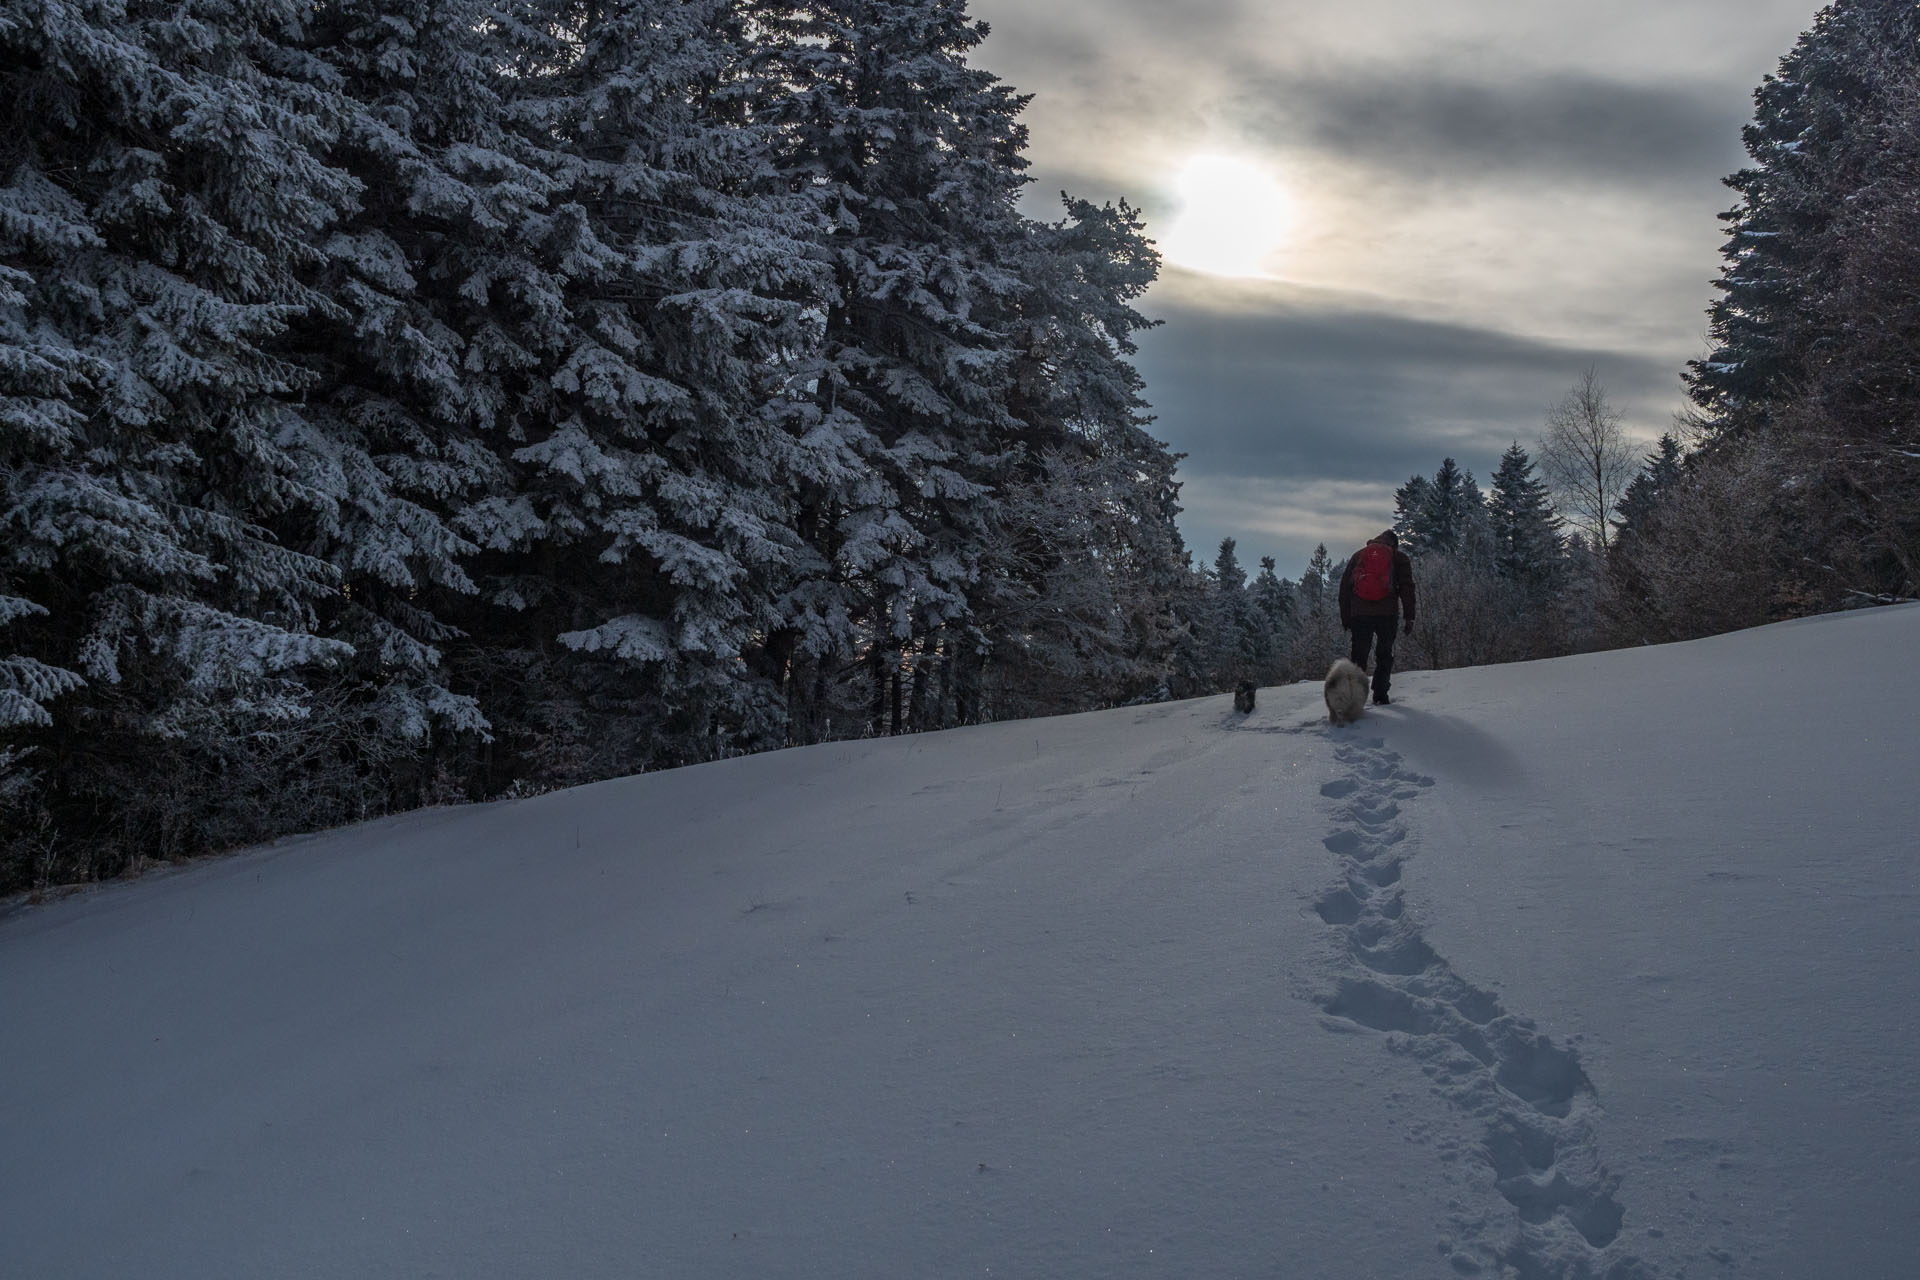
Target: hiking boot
[1381,700]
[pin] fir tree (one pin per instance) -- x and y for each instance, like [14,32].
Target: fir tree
[1527,547]
[645,512]
[1319,584]
[1818,136]
[1813,333]
[1236,648]
[1446,505]
[164,188]
[606,378]
[1272,606]
[1409,504]
[1052,590]
[1317,637]
[441,307]
[1660,474]
[1081,440]
[1228,577]
[1474,538]
[914,159]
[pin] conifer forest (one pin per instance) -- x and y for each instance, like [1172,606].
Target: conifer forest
[408,402]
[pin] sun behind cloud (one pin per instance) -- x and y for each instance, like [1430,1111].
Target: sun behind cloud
[1233,215]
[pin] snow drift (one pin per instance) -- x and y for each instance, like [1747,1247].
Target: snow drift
[1598,966]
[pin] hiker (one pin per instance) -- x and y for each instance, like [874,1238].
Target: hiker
[1377,586]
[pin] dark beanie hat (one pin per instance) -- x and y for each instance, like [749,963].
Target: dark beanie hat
[1391,538]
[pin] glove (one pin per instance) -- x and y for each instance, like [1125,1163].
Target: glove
[1408,629]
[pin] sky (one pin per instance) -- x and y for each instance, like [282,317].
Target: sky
[1395,230]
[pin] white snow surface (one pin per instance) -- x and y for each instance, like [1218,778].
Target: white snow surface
[1603,966]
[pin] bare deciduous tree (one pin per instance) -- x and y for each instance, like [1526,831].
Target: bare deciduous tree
[1586,458]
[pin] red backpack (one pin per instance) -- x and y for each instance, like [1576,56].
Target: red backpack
[1373,572]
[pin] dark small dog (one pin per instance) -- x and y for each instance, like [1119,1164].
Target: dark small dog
[1243,697]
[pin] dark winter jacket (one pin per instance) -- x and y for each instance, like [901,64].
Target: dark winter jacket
[1400,599]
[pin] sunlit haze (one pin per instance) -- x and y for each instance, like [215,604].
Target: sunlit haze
[1393,231]
[1232,218]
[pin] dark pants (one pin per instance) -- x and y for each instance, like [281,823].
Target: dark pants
[1375,634]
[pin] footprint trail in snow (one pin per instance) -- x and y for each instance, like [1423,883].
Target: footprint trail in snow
[1537,1105]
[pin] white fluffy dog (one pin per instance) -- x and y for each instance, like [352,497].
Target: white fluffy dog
[1346,692]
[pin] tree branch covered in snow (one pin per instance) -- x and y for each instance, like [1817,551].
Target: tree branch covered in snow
[439,400]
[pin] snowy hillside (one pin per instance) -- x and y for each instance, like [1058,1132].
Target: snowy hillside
[1599,966]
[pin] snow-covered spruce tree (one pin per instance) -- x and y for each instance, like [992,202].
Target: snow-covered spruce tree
[1660,473]
[1188,675]
[1272,598]
[1078,589]
[1854,433]
[1053,601]
[161,194]
[641,536]
[1467,613]
[1711,558]
[1527,546]
[1409,506]
[1623,600]
[1474,539]
[1446,513]
[1813,332]
[1440,520]
[1230,619]
[914,160]
[1047,602]
[1529,558]
[1578,606]
[1320,583]
[1446,527]
[1317,637]
[1820,125]
[448,313]
[1103,528]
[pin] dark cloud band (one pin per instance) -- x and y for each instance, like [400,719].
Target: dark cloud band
[1298,420]
[1358,394]
[1571,127]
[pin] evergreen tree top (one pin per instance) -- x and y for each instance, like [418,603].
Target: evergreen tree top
[1226,567]
[1812,141]
[1522,525]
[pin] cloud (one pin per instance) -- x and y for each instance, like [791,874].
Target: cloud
[1282,517]
[1301,411]
[1303,381]
[1489,199]
[1561,126]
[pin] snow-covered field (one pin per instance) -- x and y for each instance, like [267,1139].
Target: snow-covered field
[1600,966]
